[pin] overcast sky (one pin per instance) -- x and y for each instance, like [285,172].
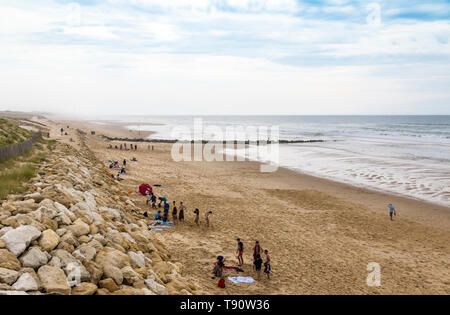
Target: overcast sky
[225,56]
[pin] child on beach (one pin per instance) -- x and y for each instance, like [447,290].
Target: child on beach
[267,264]
[174,212]
[158,216]
[257,264]
[218,267]
[197,216]
[181,213]
[240,252]
[392,211]
[207,218]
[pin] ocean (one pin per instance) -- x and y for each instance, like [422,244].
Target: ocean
[405,155]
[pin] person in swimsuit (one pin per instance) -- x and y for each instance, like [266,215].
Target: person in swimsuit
[267,264]
[197,215]
[240,251]
[257,264]
[181,213]
[174,212]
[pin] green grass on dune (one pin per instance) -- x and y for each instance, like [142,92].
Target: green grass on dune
[16,172]
[11,133]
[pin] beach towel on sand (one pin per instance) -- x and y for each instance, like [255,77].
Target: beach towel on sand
[241,279]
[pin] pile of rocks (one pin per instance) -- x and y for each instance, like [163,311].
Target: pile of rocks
[76,233]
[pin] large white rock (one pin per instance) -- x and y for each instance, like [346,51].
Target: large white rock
[26,282]
[156,287]
[17,240]
[137,259]
[79,228]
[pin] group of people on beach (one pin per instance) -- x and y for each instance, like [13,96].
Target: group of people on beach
[124,147]
[177,212]
[128,147]
[258,262]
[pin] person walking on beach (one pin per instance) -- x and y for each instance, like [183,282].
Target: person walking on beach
[257,250]
[181,213]
[197,215]
[257,264]
[267,264]
[391,211]
[124,163]
[135,147]
[174,212]
[240,252]
[207,218]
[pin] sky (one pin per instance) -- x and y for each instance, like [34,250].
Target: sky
[132,57]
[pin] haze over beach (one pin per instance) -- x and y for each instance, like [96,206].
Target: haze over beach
[320,129]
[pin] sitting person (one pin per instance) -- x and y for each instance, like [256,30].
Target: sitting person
[134,159]
[158,216]
[218,267]
[123,171]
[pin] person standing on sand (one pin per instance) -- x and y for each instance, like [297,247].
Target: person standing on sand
[267,264]
[197,216]
[181,214]
[257,250]
[153,199]
[135,147]
[174,212]
[166,207]
[391,211]
[257,264]
[207,218]
[124,164]
[240,252]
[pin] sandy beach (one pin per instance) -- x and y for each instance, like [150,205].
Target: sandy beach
[321,234]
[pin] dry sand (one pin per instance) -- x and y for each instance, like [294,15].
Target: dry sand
[321,234]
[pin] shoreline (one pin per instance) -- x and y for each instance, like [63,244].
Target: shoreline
[370,190]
